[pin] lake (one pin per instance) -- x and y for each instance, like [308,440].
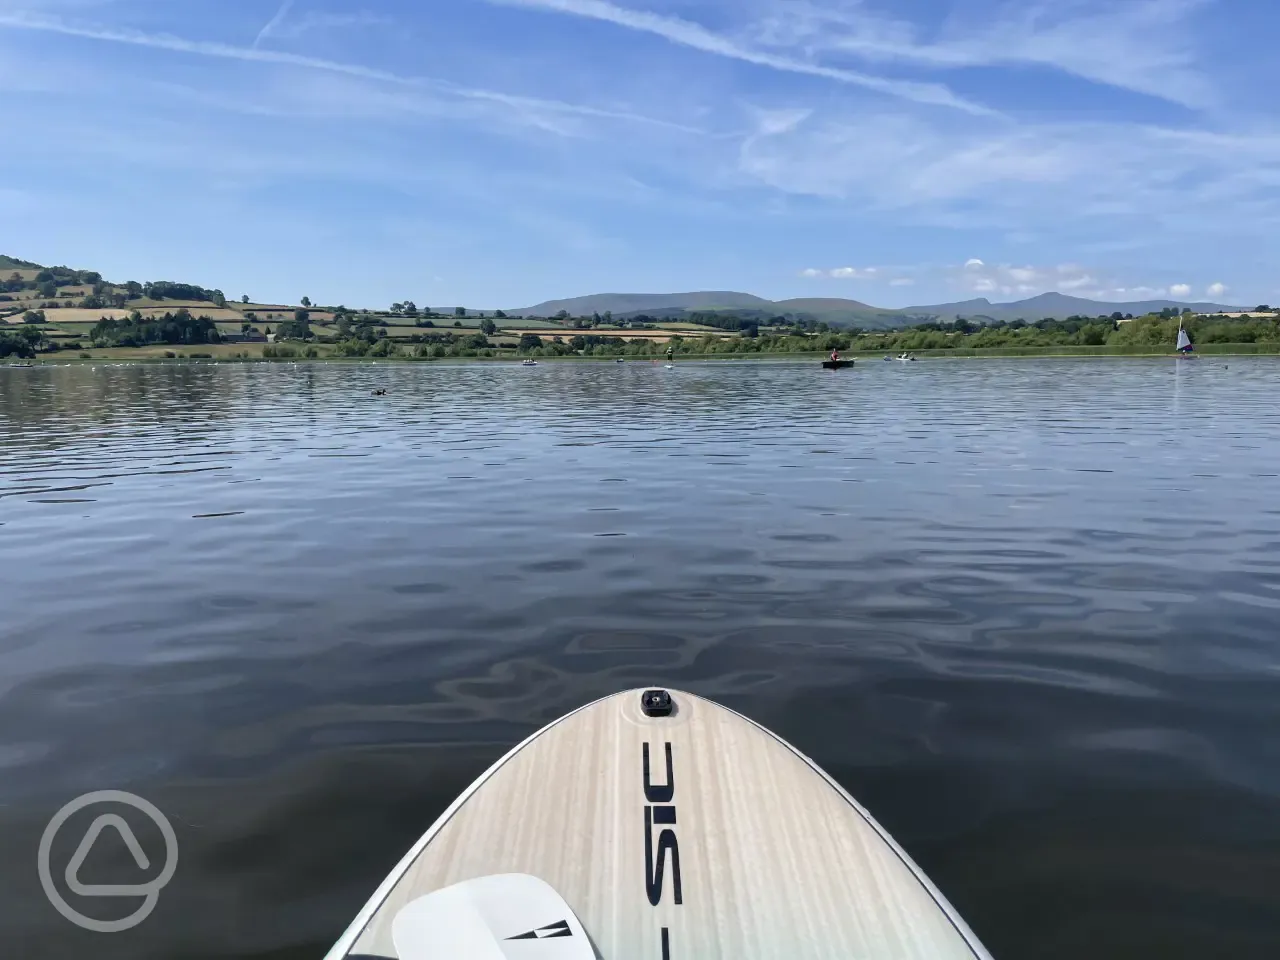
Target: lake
[1026,611]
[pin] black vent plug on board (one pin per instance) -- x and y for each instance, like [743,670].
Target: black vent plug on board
[656,703]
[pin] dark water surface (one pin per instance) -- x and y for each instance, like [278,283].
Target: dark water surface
[1027,611]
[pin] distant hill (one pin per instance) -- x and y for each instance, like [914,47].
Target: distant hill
[12,263]
[847,313]
[834,311]
[1056,305]
[656,304]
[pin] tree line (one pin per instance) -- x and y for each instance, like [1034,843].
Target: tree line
[136,330]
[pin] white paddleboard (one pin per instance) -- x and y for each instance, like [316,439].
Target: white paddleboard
[656,825]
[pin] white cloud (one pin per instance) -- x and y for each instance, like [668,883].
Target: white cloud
[1147,46]
[981,174]
[1020,281]
[1180,290]
[689,34]
[313,20]
[1000,280]
[1077,281]
[209,48]
[274,23]
[1216,289]
[844,273]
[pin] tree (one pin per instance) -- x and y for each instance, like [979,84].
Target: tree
[488,327]
[410,308]
[459,311]
[1262,308]
[306,301]
[48,289]
[244,327]
[457,323]
[562,316]
[134,288]
[244,298]
[299,328]
[1094,335]
[499,314]
[608,316]
[529,341]
[33,316]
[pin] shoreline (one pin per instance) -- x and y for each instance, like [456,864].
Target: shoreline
[996,353]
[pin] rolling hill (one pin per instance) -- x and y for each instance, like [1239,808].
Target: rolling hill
[655,304]
[845,313]
[836,312]
[1056,305]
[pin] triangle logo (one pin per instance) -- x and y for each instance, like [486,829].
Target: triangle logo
[126,833]
[558,929]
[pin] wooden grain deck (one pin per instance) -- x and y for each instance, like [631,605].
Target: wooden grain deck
[748,852]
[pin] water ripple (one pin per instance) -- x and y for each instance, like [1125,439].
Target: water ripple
[1028,622]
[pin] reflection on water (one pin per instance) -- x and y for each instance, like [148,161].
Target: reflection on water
[1025,610]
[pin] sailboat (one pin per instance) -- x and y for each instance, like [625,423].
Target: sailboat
[1184,342]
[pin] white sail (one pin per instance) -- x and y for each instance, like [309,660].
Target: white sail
[1183,340]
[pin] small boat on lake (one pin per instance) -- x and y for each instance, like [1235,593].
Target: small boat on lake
[907,358]
[836,364]
[528,363]
[1184,342]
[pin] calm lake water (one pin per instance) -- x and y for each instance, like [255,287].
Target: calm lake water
[1027,611]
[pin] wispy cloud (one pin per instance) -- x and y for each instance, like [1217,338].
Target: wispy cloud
[848,273]
[208,48]
[1011,281]
[274,23]
[283,26]
[1014,281]
[689,34]
[984,174]
[1147,46]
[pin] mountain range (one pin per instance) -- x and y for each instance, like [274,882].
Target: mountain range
[848,313]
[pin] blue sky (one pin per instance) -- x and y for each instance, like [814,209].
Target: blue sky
[496,153]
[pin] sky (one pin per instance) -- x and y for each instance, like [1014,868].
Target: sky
[498,153]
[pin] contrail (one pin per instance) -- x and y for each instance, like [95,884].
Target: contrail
[273,22]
